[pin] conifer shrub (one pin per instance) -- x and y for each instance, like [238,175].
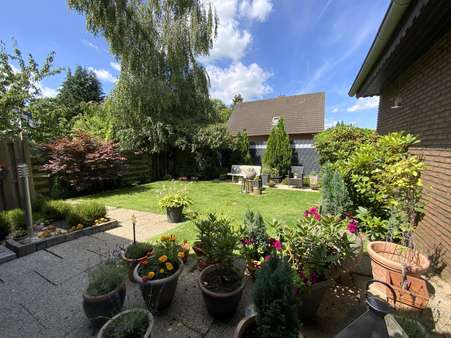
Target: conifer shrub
[335,196]
[278,150]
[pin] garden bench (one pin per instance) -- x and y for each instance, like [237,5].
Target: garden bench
[238,170]
[296,176]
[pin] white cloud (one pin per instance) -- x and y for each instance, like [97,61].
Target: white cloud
[249,81]
[90,44]
[47,91]
[335,110]
[330,123]
[256,9]
[116,66]
[104,75]
[364,104]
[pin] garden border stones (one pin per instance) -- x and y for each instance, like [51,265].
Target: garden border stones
[23,249]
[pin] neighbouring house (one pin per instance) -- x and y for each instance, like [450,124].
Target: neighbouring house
[303,116]
[409,67]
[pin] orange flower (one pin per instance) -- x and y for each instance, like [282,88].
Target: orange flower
[169,266]
[172,238]
[161,270]
[181,254]
[151,274]
[163,258]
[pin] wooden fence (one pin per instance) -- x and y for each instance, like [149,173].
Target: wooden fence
[12,153]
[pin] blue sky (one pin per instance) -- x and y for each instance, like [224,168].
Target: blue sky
[265,48]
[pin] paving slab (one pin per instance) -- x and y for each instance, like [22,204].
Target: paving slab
[6,254]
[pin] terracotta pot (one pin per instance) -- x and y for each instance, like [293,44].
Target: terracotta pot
[148,332]
[99,309]
[198,250]
[220,305]
[202,264]
[131,263]
[243,325]
[309,303]
[174,215]
[158,294]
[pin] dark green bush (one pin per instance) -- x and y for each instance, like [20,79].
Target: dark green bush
[37,203]
[5,228]
[106,277]
[85,213]
[274,300]
[56,209]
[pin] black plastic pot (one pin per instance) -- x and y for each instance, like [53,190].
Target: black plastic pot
[220,305]
[244,325]
[309,303]
[175,215]
[158,294]
[100,309]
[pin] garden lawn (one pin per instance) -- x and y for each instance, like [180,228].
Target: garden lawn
[213,196]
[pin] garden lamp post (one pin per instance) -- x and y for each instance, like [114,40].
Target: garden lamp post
[372,322]
[23,174]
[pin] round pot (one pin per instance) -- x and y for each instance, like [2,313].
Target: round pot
[158,294]
[198,250]
[101,308]
[175,215]
[203,263]
[309,303]
[131,263]
[244,325]
[387,256]
[220,305]
[147,334]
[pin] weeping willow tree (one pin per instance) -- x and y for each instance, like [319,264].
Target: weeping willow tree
[162,87]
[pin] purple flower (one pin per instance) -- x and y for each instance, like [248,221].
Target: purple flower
[353,226]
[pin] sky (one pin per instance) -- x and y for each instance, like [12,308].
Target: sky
[264,48]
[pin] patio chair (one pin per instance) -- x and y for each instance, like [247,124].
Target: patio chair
[296,176]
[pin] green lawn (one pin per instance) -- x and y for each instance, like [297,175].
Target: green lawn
[214,196]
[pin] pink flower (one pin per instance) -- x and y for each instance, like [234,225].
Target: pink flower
[317,217]
[306,213]
[267,258]
[313,210]
[246,241]
[277,245]
[353,226]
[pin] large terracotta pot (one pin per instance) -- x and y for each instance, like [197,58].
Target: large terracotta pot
[158,294]
[388,258]
[148,332]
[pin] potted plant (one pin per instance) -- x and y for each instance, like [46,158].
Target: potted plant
[255,242]
[276,177]
[136,323]
[257,185]
[158,274]
[205,232]
[134,253]
[317,248]
[222,284]
[173,201]
[313,180]
[265,175]
[105,294]
[275,303]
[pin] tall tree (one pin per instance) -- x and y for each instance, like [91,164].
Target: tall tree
[162,86]
[220,111]
[237,99]
[80,87]
[19,87]
[278,150]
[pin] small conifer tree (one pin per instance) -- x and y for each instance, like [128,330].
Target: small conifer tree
[278,149]
[335,196]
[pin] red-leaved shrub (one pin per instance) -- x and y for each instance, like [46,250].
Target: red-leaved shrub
[83,163]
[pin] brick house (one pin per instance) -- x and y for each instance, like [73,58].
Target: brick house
[409,67]
[303,116]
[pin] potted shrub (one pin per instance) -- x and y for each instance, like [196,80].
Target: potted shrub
[134,253]
[317,248]
[313,180]
[275,303]
[265,175]
[222,284]
[105,294]
[174,200]
[255,242]
[276,177]
[204,236]
[136,323]
[158,274]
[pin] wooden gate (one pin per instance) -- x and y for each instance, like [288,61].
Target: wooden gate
[12,153]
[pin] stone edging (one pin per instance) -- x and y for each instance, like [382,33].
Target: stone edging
[28,248]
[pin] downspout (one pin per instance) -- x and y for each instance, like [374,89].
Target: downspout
[394,14]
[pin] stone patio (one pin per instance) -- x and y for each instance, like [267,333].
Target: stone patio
[41,294]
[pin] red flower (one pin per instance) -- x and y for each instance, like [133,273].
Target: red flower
[267,258]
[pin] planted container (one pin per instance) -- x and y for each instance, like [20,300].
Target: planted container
[131,253]
[174,215]
[120,326]
[309,302]
[220,304]
[158,294]
[247,327]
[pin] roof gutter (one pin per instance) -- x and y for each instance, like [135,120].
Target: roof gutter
[391,19]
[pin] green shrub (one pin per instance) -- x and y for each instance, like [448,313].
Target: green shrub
[38,203]
[106,277]
[274,300]
[131,324]
[56,209]
[335,198]
[5,227]
[374,227]
[278,150]
[16,219]
[138,250]
[85,213]
[338,143]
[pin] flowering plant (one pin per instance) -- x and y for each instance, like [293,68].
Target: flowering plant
[174,196]
[255,242]
[318,246]
[164,261]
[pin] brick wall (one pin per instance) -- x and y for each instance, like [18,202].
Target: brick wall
[425,92]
